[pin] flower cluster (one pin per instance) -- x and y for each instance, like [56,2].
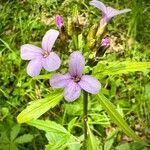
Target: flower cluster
[75,80]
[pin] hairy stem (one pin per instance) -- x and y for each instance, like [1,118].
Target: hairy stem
[85,119]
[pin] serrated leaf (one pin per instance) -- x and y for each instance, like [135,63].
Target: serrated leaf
[111,68]
[39,107]
[24,139]
[116,117]
[61,142]
[56,140]
[14,132]
[48,126]
[57,135]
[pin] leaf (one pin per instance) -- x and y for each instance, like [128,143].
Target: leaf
[8,146]
[24,139]
[116,117]
[71,124]
[92,142]
[61,142]
[80,41]
[111,68]
[131,146]
[4,138]
[52,146]
[56,140]
[73,143]
[45,76]
[57,135]
[14,132]
[110,140]
[6,45]
[147,93]
[39,107]
[48,126]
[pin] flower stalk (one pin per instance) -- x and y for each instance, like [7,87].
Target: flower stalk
[85,118]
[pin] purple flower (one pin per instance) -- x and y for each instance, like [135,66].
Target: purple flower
[107,12]
[41,57]
[59,21]
[74,80]
[105,42]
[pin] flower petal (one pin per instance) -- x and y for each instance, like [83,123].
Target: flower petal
[90,84]
[34,67]
[51,62]
[72,91]
[76,64]
[98,5]
[59,80]
[49,39]
[29,51]
[111,12]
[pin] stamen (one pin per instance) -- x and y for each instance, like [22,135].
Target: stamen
[45,54]
[76,79]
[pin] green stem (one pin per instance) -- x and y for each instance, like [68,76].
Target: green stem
[85,119]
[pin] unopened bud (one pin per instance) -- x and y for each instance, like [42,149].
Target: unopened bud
[59,22]
[105,42]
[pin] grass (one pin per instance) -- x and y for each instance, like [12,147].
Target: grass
[26,22]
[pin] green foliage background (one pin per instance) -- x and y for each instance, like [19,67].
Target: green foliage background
[26,21]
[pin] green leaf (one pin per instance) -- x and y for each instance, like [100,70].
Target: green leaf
[4,138]
[56,140]
[92,142]
[48,126]
[111,68]
[110,140]
[9,146]
[39,107]
[57,135]
[74,143]
[61,142]
[116,117]
[80,41]
[24,139]
[14,132]
[45,76]
[71,124]
[131,146]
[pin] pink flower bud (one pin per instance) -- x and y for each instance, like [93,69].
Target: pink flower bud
[105,42]
[59,21]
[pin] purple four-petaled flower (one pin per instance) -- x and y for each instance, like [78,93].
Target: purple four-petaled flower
[74,80]
[41,57]
[107,12]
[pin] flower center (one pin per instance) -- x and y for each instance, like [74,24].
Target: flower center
[45,54]
[76,79]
